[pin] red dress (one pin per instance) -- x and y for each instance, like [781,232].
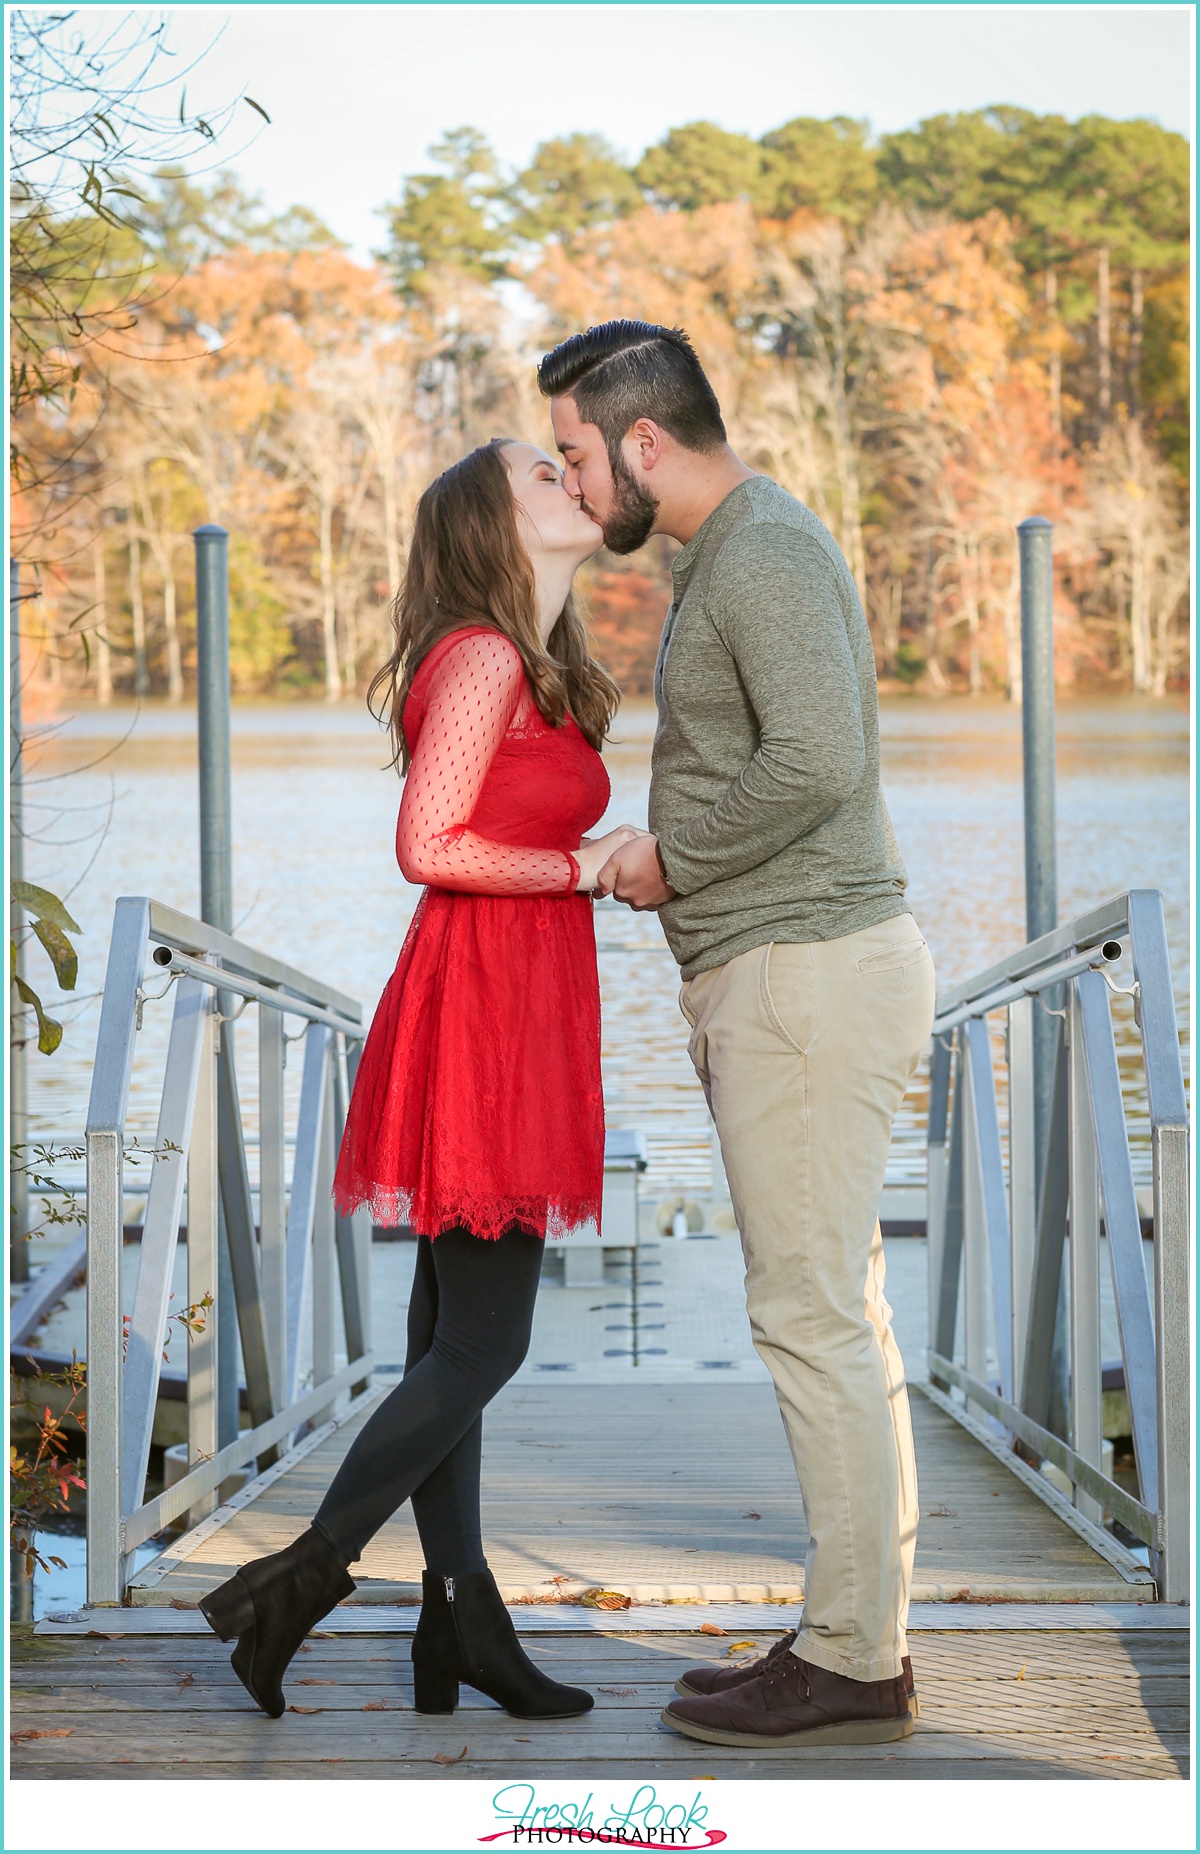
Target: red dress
[477,1100]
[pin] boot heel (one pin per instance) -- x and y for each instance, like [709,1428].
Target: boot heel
[229,1611]
[434,1691]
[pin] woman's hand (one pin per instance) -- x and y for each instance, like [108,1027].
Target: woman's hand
[594,852]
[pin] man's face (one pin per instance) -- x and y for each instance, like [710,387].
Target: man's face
[625,510]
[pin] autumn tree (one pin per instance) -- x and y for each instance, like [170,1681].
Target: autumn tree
[827,167]
[701,165]
[573,183]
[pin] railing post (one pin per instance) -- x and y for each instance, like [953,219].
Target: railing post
[272,1213]
[323,1244]
[1083,1247]
[936,1173]
[18,1104]
[204,1346]
[216,867]
[1022,1179]
[105,1213]
[1172,1295]
[1172,1237]
[975,1255]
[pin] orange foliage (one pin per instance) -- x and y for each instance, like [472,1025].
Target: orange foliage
[625,610]
[694,270]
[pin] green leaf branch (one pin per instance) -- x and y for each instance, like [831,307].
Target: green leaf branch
[51,923]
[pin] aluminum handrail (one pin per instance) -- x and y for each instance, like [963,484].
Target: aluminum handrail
[1107,953]
[186,935]
[1008,1224]
[279,1250]
[1108,921]
[287,1003]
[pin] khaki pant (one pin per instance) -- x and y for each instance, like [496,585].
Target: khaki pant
[805,1051]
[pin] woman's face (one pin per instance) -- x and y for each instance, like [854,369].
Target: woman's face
[553,524]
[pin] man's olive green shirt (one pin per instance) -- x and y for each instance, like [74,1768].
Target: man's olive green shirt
[764,793]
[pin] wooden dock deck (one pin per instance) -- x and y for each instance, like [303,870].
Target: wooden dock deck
[672,1484]
[1031,1703]
[667,1492]
[682,1496]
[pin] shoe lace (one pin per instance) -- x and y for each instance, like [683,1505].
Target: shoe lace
[778,1668]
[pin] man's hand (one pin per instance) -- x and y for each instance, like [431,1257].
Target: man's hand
[634,875]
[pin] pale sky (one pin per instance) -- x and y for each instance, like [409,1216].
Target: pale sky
[357,93]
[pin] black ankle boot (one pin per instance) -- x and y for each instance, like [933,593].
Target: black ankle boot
[270,1606]
[465,1633]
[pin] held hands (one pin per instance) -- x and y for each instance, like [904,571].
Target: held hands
[634,874]
[594,852]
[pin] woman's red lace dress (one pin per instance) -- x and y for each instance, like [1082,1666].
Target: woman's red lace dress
[477,1100]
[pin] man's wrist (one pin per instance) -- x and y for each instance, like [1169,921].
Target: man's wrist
[662,867]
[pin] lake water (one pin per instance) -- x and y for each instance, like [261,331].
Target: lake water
[112,804]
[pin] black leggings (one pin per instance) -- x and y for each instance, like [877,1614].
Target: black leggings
[469,1321]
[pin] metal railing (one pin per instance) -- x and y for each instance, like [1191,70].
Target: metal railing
[997,1243]
[290,1250]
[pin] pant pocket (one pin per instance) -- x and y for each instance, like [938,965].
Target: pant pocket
[905,949]
[788,992]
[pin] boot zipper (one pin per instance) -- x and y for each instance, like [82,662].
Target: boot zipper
[464,1663]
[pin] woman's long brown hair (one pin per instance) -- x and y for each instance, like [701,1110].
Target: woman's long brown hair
[468,566]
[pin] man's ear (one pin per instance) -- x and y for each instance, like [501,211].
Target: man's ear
[644,443]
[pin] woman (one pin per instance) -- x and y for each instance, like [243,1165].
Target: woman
[477,1115]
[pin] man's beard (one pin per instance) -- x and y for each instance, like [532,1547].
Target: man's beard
[633,513]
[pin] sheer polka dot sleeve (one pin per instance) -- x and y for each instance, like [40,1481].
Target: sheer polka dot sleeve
[473,692]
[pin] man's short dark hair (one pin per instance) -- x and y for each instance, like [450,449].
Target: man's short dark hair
[623,371]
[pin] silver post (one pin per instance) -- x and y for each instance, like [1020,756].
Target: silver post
[1035,537]
[1037,727]
[216,869]
[212,704]
[18,1099]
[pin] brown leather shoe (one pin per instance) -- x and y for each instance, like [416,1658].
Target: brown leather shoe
[792,1704]
[720,1679]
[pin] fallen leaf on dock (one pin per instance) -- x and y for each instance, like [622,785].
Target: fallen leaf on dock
[309,1681]
[23,1737]
[306,1708]
[619,1692]
[751,1515]
[440,1757]
[178,1603]
[734,1647]
[1021,1675]
[101,1635]
[188,1680]
[605,1599]
[711,1628]
[384,1705]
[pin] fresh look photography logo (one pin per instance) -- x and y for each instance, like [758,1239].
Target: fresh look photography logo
[645,1821]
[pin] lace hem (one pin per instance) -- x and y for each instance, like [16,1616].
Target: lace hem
[391,1207]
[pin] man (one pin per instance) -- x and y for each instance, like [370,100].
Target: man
[807,985]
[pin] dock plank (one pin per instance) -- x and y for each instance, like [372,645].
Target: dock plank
[1039,1703]
[670,1490]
